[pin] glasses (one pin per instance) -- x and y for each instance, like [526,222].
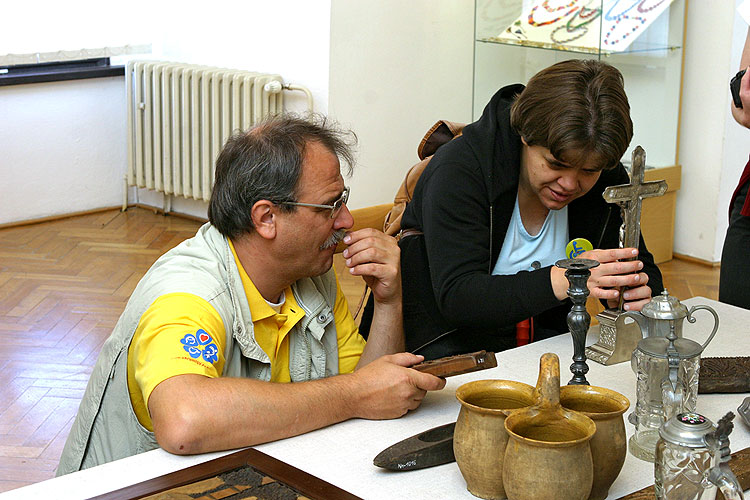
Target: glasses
[335,208]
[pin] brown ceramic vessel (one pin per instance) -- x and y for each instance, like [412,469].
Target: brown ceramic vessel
[479,438]
[548,453]
[609,445]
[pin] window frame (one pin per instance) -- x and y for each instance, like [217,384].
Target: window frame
[79,69]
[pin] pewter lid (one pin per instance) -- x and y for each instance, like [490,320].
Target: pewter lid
[657,347]
[686,429]
[664,306]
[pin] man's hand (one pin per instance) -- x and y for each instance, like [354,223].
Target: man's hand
[611,274]
[375,256]
[386,388]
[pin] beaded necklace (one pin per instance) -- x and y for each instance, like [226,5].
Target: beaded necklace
[572,6]
[582,30]
[618,18]
[587,17]
[592,12]
[591,15]
[616,40]
[609,17]
[643,11]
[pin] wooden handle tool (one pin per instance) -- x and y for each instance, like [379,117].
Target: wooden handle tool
[459,364]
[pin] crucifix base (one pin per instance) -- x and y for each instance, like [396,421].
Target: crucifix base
[618,338]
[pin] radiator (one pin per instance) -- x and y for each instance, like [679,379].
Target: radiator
[179,117]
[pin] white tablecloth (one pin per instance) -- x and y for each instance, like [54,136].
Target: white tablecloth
[342,454]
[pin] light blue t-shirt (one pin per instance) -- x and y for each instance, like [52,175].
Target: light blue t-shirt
[523,252]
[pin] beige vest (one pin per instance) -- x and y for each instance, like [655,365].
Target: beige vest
[106,428]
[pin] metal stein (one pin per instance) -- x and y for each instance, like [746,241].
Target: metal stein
[656,316]
[666,384]
[692,458]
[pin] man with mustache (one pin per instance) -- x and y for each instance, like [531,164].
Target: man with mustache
[241,334]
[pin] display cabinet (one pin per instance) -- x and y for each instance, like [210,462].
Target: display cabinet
[514,39]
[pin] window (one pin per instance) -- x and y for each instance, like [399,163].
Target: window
[74,39]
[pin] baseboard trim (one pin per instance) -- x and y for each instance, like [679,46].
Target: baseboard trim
[696,260]
[29,222]
[158,210]
[96,211]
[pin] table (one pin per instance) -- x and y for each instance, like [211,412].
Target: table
[342,454]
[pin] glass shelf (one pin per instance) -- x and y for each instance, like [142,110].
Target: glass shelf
[633,49]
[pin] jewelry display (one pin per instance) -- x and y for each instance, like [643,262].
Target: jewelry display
[588,26]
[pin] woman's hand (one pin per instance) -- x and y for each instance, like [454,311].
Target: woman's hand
[611,274]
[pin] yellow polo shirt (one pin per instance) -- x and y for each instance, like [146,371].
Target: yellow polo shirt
[181,333]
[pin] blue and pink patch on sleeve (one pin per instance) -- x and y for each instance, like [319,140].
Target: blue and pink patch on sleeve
[200,344]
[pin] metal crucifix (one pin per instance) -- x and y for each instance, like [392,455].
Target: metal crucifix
[617,340]
[630,197]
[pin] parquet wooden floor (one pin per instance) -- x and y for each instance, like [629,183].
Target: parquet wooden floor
[63,285]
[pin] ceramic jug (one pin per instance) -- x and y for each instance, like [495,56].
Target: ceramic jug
[609,444]
[479,438]
[692,458]
[666,384]
[548,453]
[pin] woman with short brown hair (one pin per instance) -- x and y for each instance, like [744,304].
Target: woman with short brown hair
[497,206]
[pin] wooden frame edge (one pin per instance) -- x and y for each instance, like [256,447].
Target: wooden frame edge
[311,486]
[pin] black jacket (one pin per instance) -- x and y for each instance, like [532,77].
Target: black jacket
[463,203]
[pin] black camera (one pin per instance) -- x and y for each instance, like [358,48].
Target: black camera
[734,86]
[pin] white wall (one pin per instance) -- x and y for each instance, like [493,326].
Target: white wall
[63,147]
[396,68]
[713,148]
[287,37]
[63,143]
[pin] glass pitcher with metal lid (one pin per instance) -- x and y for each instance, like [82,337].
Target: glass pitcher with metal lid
[666,384]
[692,458]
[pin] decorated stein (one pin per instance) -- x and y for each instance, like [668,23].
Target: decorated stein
[692,458]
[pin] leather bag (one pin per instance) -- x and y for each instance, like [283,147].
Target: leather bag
[439,134]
